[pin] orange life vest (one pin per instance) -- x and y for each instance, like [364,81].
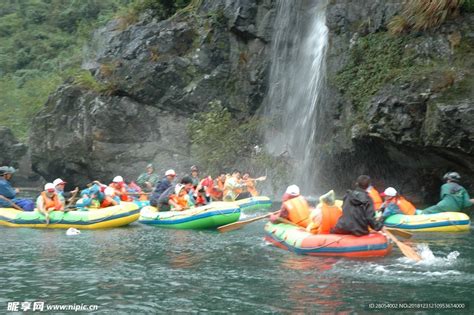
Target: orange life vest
[375,196]
[330,216]
[405,206]
[182,201]
[51,203]
[298,211]
[121,191]
[216,193]
[251,188]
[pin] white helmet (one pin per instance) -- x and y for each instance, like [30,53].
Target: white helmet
[390,192]
[49,187]
[118,179]
[58,181]
[177,188]
[293,190]
[170,173]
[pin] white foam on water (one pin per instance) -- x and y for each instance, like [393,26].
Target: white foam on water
[429,258]
[72,231]
[244,216]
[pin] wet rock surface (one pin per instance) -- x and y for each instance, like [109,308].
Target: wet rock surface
[416,126]
[155,75]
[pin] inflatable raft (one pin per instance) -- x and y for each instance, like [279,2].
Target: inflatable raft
[437,222]
[301,242]
[142,203]
[110,217]
[254,203]
[205,217]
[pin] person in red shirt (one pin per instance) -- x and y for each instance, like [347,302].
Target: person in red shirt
[120,188]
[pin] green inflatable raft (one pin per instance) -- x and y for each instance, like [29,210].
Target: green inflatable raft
[205,217]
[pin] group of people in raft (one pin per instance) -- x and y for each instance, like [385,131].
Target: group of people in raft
[355,217]
[164,194]
[358,213]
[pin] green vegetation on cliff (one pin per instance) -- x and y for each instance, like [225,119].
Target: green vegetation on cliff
[41,45]
[374,60]
[379,59]
[220,142]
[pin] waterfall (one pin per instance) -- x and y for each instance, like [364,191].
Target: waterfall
[297,75]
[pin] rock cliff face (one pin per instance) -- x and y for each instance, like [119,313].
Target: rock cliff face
[399,108]
[15,153]
[153,76]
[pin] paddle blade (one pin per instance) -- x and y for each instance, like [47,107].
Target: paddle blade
[404,248]
[237,225]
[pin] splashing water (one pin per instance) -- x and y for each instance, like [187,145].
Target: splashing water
[428,257]
[296,82]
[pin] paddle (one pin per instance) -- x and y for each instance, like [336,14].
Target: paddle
[237,225]
[47,217]
[400,233]
[406,250]
[12,203]
[72,199]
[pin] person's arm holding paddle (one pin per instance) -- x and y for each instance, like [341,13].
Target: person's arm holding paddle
[73,197]
[41,206]
[11,203]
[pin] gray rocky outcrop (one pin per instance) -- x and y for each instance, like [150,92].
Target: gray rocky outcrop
[152,77]
[11,150]
[14,153]
[416,126]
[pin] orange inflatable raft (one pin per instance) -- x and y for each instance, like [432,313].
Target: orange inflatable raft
[301,242]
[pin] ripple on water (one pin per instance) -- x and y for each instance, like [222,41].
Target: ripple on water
[143,269]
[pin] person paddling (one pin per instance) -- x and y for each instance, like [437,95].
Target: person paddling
[8,193]
[357,211]
[162,185]
[250,184]
[395,204]
[148,179]
[118,184]
[233,187]
[453,196]
[375,196]
[176,197]
[294,208]
[195,176]
[49,201]
[64,196]
[325,216]
[217,190]
[110,198]
[91,197]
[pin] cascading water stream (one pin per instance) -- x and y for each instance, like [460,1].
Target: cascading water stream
[297,75]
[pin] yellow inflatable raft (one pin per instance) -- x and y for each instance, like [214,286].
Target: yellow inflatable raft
[438,222]
[110,217]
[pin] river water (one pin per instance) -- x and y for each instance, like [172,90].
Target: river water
[142,269]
